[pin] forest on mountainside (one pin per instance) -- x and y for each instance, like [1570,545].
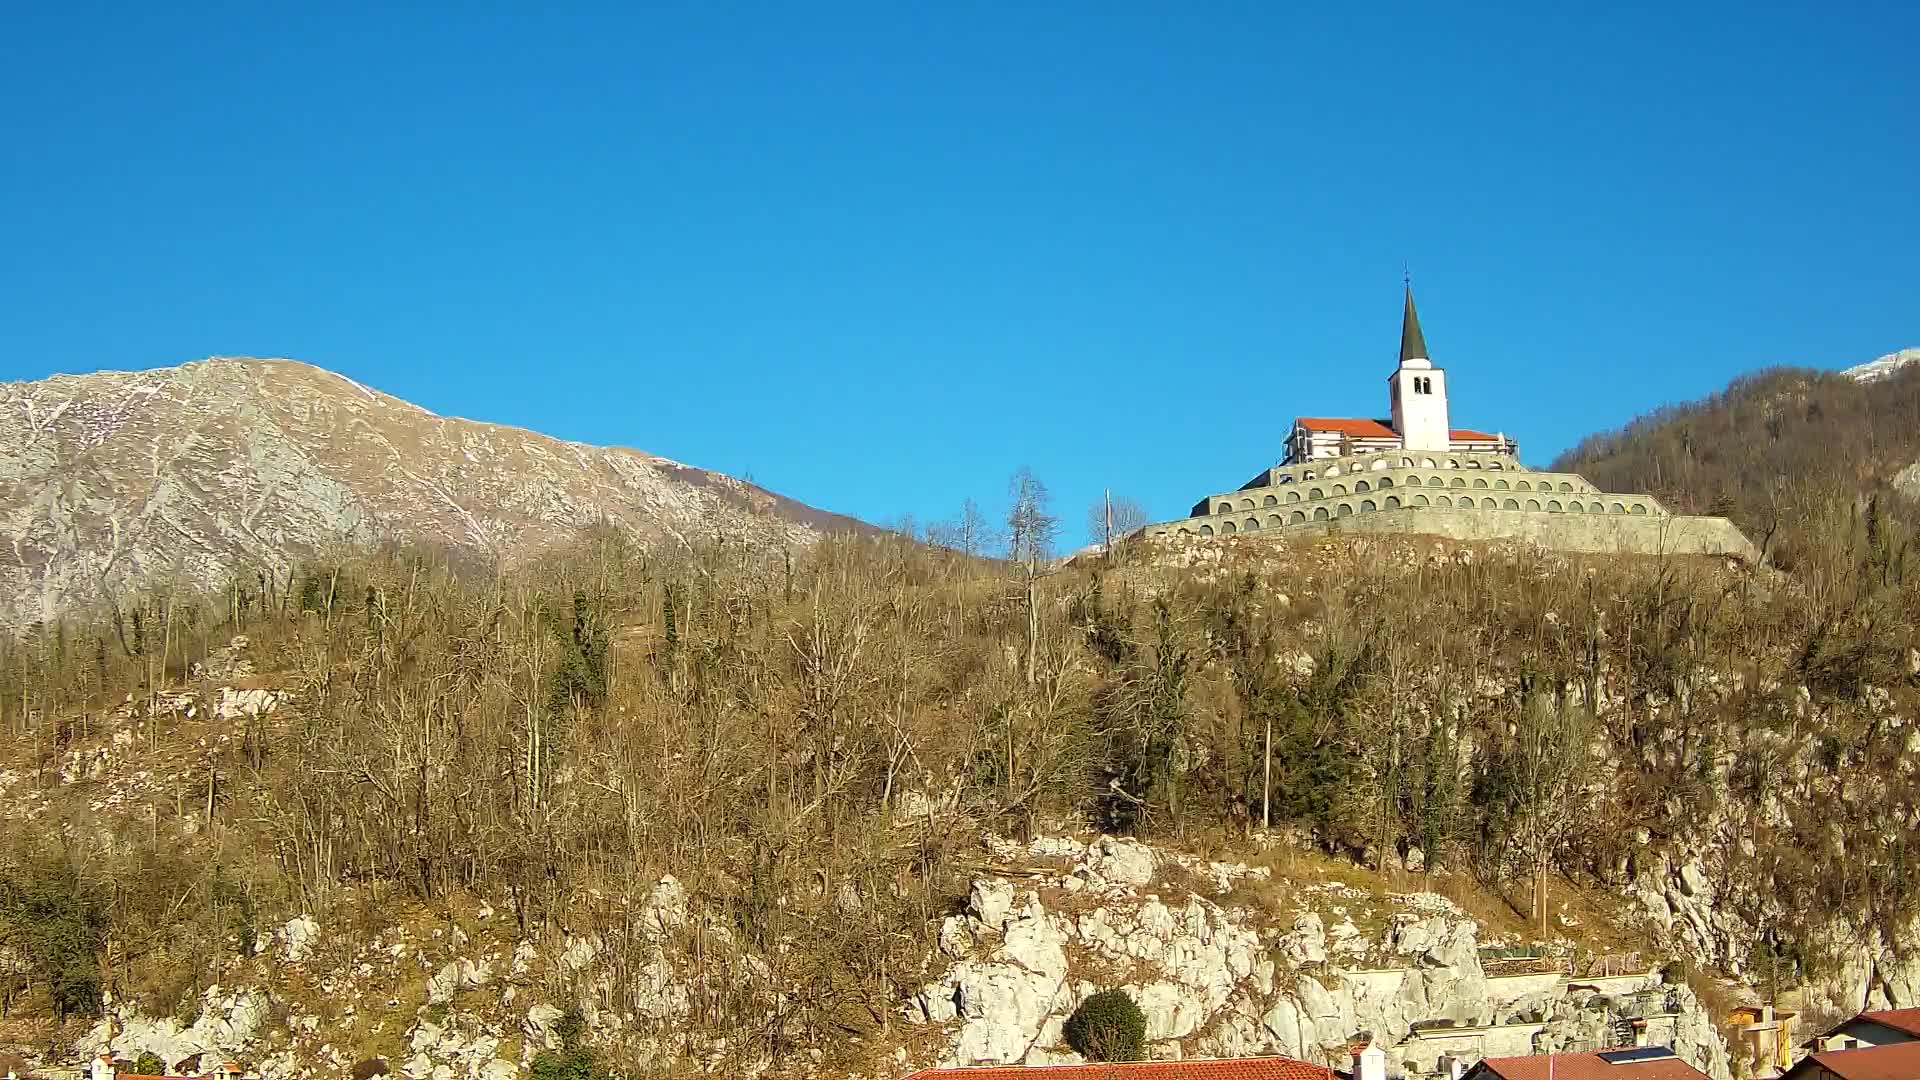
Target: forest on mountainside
[1768,452]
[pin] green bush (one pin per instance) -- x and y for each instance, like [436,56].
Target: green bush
[59,923]
[149,1064]
[573,1061]
[1108,1027]
[566,1065]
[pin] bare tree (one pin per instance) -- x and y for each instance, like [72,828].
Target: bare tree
[1112,518]
[1030,533]
[976,532]
[1549,759]
[970,533]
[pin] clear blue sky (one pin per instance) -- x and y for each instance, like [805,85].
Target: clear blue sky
[879,258]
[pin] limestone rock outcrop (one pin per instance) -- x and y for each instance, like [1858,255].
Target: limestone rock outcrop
[1214,981]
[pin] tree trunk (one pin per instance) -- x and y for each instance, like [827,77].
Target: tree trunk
[1266,781]
[1033,625]
[1540,894]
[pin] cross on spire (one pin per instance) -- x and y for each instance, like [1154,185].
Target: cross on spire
[1413,344]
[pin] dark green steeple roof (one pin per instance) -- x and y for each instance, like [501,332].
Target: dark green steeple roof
[1413,344]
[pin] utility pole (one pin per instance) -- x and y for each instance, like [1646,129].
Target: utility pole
[1266,780]
[1107,547]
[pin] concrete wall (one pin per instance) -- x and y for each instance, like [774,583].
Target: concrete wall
[1424,1049]
[1347,495]
[1601,533]
[1372,460]
[1621,985]
[1507,989]
[1463,496]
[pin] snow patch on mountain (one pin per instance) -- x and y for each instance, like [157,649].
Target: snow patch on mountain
[1885,366]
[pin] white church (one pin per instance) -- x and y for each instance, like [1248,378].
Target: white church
[1416,473]
[1417,393]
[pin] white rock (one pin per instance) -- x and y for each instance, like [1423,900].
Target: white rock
[1120,861]
[991,901]
[524,954]
[1172,1011]
[1693,880]
[580,952]
[443,983]
[299,937]
[538,1026]
[235,704]
[956,941]
[1307,942]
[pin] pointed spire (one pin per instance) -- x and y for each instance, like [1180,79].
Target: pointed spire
[1413,344]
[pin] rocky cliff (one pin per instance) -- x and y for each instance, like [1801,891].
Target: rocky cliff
[1220,978]
[115,482]
[1218,969]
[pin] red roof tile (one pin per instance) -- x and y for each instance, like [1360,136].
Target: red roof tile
[1364,429]
[1266,1068]
[1379,429]
[1588,1067]
[1894,1061]
[1907,1020]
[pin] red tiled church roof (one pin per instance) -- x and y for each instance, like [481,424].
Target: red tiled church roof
[1892,1061]
[1360,429]
[1587,1067]
[1378,429]
[1265,1068]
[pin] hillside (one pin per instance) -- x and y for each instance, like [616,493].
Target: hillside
[689,811]
[1788,453]
[116,483]
[825,820]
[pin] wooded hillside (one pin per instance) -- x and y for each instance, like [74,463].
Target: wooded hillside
[1768,451]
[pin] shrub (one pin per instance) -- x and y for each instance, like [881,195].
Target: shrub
[1108,1027]
[59,921]
[149,1064]
[370,1068]
[575,1064]
[574,1061]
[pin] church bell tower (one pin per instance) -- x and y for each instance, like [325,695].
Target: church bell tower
[1419,390]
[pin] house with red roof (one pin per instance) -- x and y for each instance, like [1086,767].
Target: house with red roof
[1630,1063]
[1258,1068]
[1886,1061]
[1882,1027]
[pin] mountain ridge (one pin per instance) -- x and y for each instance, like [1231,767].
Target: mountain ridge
[115,480]
[1884,366]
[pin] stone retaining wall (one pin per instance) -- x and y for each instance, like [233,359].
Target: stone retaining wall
[1599,533]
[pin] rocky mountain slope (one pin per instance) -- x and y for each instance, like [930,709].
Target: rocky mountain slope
[1277,950]
[118,481]
[1881,368]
